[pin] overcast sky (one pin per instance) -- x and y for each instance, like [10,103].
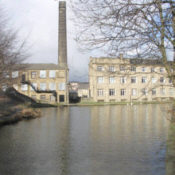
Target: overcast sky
[37,20]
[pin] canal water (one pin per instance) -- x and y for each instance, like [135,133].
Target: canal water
[97,140]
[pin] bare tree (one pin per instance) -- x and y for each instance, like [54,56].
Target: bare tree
[138,28]
[12,51]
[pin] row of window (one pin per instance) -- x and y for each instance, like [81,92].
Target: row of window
[123,80]
[43,86]
[134,92]
[51,98]
[43,97]
[42,74]
[132,69]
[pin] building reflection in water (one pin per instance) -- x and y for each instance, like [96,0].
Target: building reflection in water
[128,139]
[63,140]
[39,146]
[88,141]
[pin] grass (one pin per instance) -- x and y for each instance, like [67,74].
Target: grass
[91,103]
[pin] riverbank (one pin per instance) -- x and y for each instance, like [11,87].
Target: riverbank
[90,103]
[13,113]
[18,113]
[170,163]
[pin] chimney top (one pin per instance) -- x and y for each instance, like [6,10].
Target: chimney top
[62,4]
[121,56]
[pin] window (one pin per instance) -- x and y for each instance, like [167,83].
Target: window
[153,91]
[143,69]
[111,80]
[33,74]
[100,79]
[143,79]
[144,91]
[15,74]
[152,69]
[133,79]
[170,81]
[61,98]
[162,80]
[52,86]
[42,74]
[111,92]
[52,74]
[133,69]
[111,69]
[52,98]
[134,92]
[161,69]
[122,68]
[99,68]
[24,87]
[61,86]
[42,97]
[123,92]
[162,91]
[43,86]
[23,77]
[153,80]
[4,87]
[6,75]
[171,91]
[122,80]
[34,85]
[100,92]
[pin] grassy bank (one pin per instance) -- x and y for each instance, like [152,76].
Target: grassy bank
[91,103]
[13,113]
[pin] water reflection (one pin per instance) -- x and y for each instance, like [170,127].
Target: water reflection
[37,147]
[87,141]
[128,139]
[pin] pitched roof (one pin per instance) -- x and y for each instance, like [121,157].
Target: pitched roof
[145,61]
[84,85]
[136,61]
[38,66]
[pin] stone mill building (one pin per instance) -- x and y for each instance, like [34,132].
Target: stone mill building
[47,82]
[128,80]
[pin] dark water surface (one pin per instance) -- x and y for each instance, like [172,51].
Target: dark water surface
[103,140]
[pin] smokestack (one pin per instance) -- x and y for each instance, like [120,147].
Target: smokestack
[62,44]
[121,56]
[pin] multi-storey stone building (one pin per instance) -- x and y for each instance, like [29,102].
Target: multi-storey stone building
[46,82]
[119,79]
[80,88]
[83,90]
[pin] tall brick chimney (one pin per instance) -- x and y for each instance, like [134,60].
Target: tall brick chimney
[62,44]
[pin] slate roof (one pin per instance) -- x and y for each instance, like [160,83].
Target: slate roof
[145,61]
[39,66]
[83,85]
[139,61]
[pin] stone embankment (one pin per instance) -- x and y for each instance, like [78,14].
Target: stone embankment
[14,116]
